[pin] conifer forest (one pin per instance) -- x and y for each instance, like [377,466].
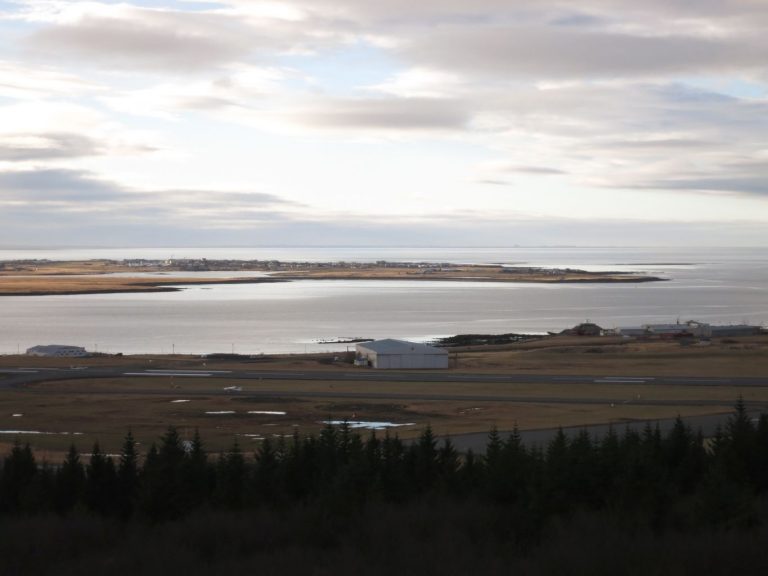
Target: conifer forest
[345,503]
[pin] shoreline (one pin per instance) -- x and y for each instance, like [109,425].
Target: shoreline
[133,287]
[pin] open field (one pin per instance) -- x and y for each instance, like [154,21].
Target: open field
[149,406]
[104,408]
[473,273]
[41,285]
[743,356]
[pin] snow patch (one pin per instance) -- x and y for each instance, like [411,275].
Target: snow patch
[367,425]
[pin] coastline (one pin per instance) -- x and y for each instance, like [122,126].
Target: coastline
[135,286]
[45,278]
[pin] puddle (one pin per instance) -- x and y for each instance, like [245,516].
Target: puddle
[267,412]
[16,415]
[233,389]
[220,412]
[253,437]
[367,425]
[179,401]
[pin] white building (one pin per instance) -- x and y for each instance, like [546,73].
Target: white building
[58,351]
[399,354]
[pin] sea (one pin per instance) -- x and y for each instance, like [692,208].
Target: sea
[716,285]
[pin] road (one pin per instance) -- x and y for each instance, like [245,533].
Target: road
[24,375]
[707,424]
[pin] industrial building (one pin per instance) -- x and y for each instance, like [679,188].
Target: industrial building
[691,328]
[58,351]
[399,354]
[734,330]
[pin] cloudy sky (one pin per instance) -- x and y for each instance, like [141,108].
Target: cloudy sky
[342,122]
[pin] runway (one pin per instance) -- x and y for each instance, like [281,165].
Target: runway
[24,375]
[21,378]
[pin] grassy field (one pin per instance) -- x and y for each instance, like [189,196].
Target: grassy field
[105,409]
[743,356]
[106,417]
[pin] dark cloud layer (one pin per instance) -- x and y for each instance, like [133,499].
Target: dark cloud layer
[97,199]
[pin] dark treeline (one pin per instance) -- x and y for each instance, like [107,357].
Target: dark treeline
[646,485]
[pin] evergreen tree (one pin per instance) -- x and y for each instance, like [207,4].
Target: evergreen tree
[100,483]
[266,475]
[424,461]
[19,469]
[231,478]
[197,473]
[127,477]
[70,482]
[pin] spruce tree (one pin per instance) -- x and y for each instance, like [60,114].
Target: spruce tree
[127,477]
[70,482]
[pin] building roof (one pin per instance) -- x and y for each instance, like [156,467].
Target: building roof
[667,327]
[54,347]
[391,346]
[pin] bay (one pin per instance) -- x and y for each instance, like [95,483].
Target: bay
[719,285]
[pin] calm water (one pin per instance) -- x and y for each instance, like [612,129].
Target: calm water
[715,285]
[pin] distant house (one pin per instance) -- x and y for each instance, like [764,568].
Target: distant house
[58,351]
[399,354]
[584,329]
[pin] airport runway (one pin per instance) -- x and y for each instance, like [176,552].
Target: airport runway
[15,377]
[21,378]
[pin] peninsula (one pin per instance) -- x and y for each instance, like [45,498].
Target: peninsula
[46,277]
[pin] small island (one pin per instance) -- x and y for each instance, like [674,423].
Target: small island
[46,277]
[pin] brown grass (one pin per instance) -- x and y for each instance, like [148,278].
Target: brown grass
[81,405]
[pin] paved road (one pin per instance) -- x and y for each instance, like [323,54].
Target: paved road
[477,442]
[15,377]
[22,377]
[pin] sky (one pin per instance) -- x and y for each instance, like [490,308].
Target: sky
[396,123]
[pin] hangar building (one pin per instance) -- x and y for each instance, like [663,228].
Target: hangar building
[399,354]
[58,351]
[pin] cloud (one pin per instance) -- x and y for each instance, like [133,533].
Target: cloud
[128,37]
[748,184]
[22,81]
[16,148]
[146,39]
[235,87]
[542,52]
[387,114]
[544,170]
[48,192]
